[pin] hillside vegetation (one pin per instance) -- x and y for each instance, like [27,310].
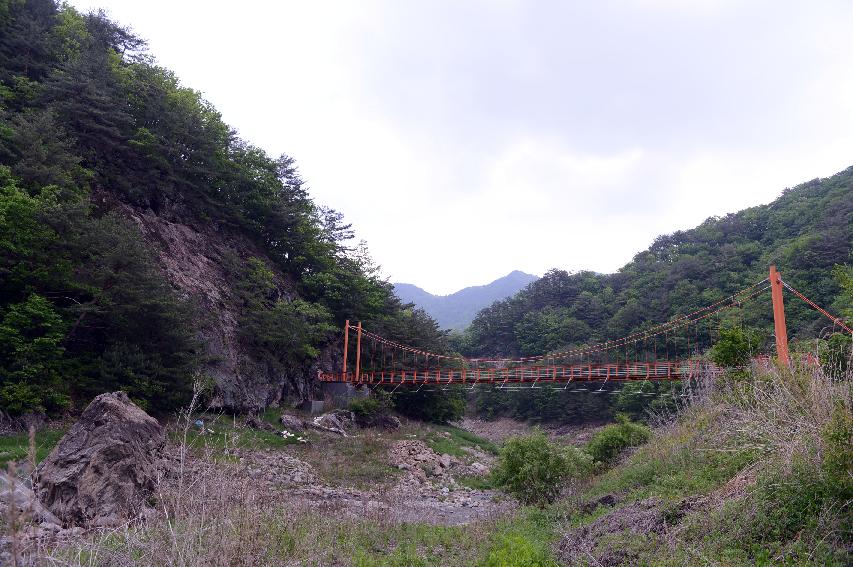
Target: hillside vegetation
[240,279]
[807,232]
[757,471]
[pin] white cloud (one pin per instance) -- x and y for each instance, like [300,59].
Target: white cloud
[467,139]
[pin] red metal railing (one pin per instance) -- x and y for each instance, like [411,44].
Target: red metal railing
[659,371]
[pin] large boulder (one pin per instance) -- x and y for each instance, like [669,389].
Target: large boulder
[105,467]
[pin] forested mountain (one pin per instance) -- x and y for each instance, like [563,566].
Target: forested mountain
[143,244]
[457,310]
[807,232]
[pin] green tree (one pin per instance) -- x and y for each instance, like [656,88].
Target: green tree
[736,346]
[31,357]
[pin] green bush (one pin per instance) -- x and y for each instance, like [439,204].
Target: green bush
[606,445]
[19,398]
[835,355]
[837,462]
[532,468]
[367,410]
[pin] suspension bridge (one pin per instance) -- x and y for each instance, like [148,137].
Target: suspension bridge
[668,351]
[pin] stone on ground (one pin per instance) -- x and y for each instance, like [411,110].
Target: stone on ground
[105,467]
[14,492]
[337,421]
[291,422]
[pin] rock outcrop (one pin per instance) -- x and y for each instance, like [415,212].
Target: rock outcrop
[105,467]
[195,259]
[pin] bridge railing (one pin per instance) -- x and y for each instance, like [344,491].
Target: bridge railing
[659,371]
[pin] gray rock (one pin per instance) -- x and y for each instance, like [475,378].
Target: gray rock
[291,422]
[13,491]
[478,468]
[388,422]
[256,422]
[105,467]
[337,421]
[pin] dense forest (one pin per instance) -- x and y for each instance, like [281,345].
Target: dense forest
[807,232]
[100,145]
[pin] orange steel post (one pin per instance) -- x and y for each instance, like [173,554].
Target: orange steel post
[346,347]
[779,316]
[358,352]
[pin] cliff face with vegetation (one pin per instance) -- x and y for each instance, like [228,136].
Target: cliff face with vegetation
[145,246]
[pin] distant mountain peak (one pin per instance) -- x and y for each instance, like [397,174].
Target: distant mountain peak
[457,310]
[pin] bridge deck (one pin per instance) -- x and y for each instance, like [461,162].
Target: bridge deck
[660,371]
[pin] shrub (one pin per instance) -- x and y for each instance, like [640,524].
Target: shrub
[368,410]
[19,398]
[837,462]
[532,468]
[835,355]
[606,445]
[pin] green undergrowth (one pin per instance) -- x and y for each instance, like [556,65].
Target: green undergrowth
[761,473]
[609,442]
[675,464]
[457,442]
[281,536]
[524,541]
[221,434]
[15,447]
[476,482]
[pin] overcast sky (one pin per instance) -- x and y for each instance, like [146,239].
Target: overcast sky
[465,139]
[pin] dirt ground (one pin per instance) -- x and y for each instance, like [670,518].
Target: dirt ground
[412,482]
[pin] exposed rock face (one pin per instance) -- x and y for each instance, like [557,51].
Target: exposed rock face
[195,260]
[105,467]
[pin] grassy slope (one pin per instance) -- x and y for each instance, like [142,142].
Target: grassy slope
[759,473]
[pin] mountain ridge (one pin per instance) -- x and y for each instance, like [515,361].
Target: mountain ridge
[456,310]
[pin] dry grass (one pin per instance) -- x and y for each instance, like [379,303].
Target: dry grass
[358,461]
[756,468]
[213,516]
[209,512]
[784,411]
